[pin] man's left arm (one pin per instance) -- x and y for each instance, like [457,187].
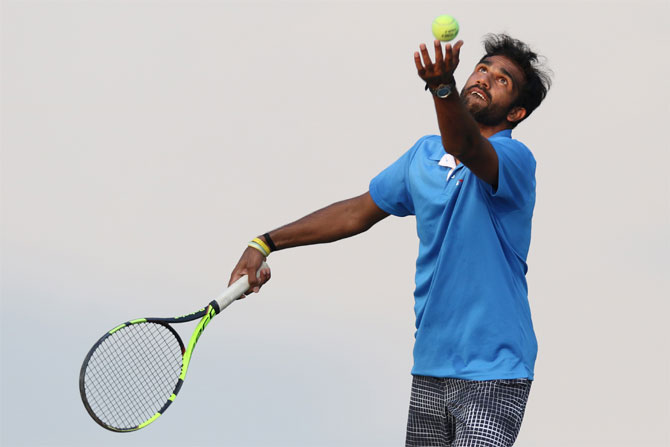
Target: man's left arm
[459,131]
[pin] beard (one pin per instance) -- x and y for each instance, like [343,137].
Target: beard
[488,114]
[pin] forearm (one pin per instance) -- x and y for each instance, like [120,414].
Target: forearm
[334,222]
[459,131]
[461,135]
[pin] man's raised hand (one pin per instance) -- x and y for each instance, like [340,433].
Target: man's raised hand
[442,71]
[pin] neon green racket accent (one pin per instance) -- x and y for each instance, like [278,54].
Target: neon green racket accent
[117,328]
[194,339]
[139,320]
[127,373]
[188,315]
[153,418]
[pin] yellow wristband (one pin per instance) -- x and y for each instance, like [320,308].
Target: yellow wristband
[260,242]
[255,245]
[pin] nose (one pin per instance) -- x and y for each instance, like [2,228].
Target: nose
[483,81]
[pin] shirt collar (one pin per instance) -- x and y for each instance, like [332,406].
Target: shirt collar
[448,160]
[505,133]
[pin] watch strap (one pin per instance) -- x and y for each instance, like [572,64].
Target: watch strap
[451,85]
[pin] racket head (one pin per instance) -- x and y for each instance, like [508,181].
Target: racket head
[132,374]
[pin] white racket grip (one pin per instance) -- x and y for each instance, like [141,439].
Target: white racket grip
[236,289]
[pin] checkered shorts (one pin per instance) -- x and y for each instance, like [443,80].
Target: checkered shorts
[465,413]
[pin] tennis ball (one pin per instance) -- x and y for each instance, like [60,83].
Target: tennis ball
[445,28]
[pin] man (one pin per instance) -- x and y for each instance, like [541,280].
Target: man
[472,190]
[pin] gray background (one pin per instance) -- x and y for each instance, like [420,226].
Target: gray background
[144,142]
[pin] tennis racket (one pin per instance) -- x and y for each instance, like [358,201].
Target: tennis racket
[135,371]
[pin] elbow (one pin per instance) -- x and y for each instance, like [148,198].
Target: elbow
[361,214]
[356,222]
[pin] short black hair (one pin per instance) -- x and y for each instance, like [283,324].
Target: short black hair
[537,76]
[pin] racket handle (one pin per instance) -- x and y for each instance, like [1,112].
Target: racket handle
[235,290]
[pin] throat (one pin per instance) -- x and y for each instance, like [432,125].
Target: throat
[489,131]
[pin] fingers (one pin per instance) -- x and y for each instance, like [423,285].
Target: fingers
[239,271]
[255,286]
[234,276]
[438,52]
[254,282]
[419,66]
[249,263]
[426,57]
[445,64]
[448,54]
[265,276]
[424,65]
[457,53]
[451,55]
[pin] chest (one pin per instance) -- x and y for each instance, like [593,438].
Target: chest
[444,197]
[434,186]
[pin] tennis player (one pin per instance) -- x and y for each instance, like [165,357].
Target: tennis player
[472,190]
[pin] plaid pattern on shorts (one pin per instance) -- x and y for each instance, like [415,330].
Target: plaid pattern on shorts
[465,413]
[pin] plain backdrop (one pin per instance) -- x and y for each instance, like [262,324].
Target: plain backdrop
[145,142]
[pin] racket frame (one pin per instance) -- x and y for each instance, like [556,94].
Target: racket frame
[206,314]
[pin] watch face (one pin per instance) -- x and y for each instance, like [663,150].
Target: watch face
[443,91]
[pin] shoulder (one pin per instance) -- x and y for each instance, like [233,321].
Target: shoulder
[510,148]
[428,146]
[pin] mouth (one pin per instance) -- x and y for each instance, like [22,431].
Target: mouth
[477,93]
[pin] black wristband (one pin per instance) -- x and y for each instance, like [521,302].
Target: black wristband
[268,240]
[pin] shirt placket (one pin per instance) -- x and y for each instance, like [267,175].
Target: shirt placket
[451,182]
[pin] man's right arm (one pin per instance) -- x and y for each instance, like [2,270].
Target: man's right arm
[334,222]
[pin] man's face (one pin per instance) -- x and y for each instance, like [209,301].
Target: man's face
[491,90]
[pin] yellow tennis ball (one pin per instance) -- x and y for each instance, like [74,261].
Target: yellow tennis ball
[445,28]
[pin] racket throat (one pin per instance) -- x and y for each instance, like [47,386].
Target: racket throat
[202,324]
[215,306]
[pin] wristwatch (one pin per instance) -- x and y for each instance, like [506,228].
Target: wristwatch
[442,91]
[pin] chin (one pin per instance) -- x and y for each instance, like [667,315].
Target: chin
[473,107]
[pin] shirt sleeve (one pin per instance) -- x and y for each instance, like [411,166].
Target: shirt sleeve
[516,174]
[390,188]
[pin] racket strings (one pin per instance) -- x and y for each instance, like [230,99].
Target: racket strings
[132,374]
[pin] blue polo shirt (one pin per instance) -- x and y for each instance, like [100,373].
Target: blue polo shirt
[473,320]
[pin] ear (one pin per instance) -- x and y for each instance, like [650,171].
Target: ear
[516,114]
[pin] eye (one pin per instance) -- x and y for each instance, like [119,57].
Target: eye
[503,81]
[482,69]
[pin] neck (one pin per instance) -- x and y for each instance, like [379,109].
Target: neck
[489,131]
[486,132]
